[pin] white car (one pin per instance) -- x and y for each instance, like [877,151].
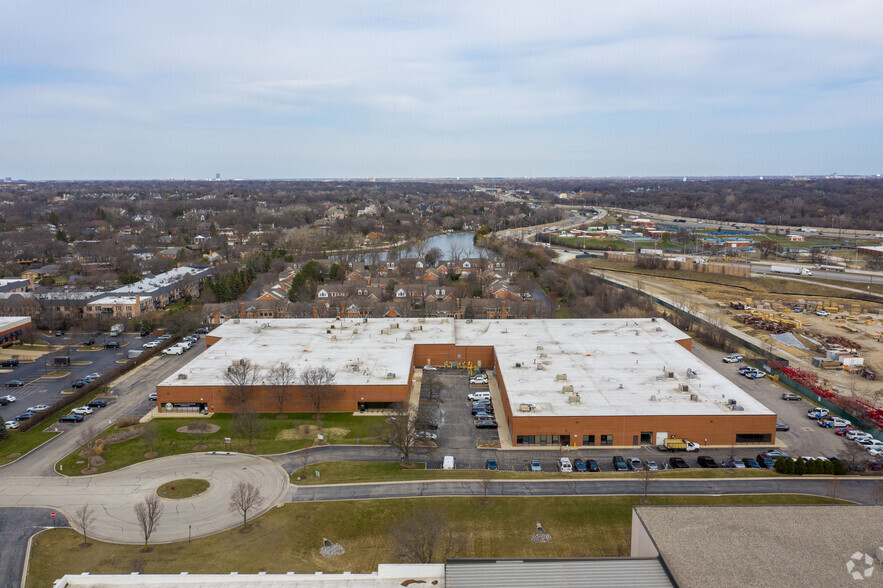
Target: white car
[733,358]
[38,408]
[868,441]
[693,446]
[817,413]
[838,422]
[150,345]
[429,368]
[426,435]
[822,313]
[8,398]
[855,434]
[94,376]
[83,410]
[874,451]
[564,465]
[174,350]
[11,424]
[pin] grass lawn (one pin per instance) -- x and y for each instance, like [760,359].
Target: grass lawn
[288,538]
[185,488]
[353,472]
[277,436]
[17,444]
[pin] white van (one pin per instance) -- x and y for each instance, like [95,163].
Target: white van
[479,396]
[448,463]
[564,465]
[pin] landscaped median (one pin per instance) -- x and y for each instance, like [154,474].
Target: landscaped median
[126,445]
[356,472]
[288,538]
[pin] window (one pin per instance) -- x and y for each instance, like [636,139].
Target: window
[754,438]
[589,440]
[537,440]
[606,440]
[128,308]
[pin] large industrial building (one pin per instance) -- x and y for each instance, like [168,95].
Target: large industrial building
[579,382]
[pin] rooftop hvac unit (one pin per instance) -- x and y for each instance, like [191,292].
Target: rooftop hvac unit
[265,325]
[731,401]
[653,398]
[567,389]
[407,335]
[542,355]
[384,331]
[691,374]
[683,388]
[539,347]
[518,364]
[390,376]
[561,378]
[694,397]
[364,320]
[182,376]
[418,327]
[236,321]
[394,326]
[334,337]
[540,367]
[468,321]
[669,374]
[737,407]
[574,399]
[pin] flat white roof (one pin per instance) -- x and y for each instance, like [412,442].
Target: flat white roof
[170,277]
[616,366]
[11,322]
[112,300]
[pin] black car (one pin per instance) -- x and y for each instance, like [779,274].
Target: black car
[9,363]
[491,464]
[14,384]
[97,403]
[59,333]
[3,401]
[201,331]
[579,465]
[79,384]
[71,418]
[592,465]
[433,424]
[706,462]
[780,426]
[145,333]
[112,345]
[678,463]
[619,464]
[486,425]
[24,416]
[751,463]
[89,341]
[766,462]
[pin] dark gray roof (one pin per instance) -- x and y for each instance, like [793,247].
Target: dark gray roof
[571,573]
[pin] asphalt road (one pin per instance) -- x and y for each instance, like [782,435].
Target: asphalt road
[18,525]
[856,489]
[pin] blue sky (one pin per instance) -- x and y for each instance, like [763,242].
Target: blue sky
[417,89]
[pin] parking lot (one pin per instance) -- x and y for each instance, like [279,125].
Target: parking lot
[40,389]
[458,436]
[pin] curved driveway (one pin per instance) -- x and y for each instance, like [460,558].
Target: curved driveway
[114,494]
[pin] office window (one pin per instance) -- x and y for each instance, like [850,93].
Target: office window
[606,440]
[589,440]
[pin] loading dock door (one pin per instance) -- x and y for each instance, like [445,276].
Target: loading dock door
[661,437]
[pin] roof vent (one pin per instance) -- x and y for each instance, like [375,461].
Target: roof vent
[567,389]
[182,376]
[694,397]
[731,402]
[561,378]
[574,399]
[683,388]
[653,398]
[390,376]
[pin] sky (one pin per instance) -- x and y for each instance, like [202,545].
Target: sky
[296,89]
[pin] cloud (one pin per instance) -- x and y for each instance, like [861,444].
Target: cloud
[453,88]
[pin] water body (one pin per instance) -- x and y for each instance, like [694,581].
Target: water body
[462,241]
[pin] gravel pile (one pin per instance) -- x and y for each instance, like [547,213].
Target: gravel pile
[332,550]
[541,538]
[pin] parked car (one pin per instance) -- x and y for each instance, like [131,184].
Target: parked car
[766,461]
[873,465]
[71,418]
[426,435]
[737,463]
[8,398]
[429,368]
[24,416]
[152,397]
[579,465]
[11,424]
[678,463]
[706,461]
[83,410]
[432,424]
[535,465]
[564,465]
[59,333]
[112,345]
[97,403]
[634,464]
[491,464]
[619,464]
[592,465]
[14,384]
[89,341]
[751,463]
[869,374]
[733,358]
[844,431]
[651,465]
[202,331]
[38,408]
[774,453]
[790,396]
[79,384]
[486,424]
[851,435]
[174,350]
[483,416]
[817,413]
[780,426]
[822,313]
[150,345]
[9,363]
[145,333]
[838,422]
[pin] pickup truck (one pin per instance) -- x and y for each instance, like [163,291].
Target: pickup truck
[675,444]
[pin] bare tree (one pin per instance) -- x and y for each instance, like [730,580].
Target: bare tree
[431,384]
[835,488]
[150,433]
[149,513]
[426,536]
[241,377]
[317,385]
[81,520]
[486,478]
[403,431]
[198,428]
[281,378]
[850,455]
[244,497]
[248,424]
[877,493]
[456,252]
[647,479]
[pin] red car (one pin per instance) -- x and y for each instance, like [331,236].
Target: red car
[842,432]
[874,466]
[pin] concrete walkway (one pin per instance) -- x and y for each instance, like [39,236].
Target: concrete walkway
[114,494]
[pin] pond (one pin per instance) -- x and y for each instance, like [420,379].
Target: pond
[462,242]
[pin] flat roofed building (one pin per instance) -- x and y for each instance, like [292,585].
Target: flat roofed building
[581,382]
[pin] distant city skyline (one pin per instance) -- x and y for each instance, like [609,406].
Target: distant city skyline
[105,90]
